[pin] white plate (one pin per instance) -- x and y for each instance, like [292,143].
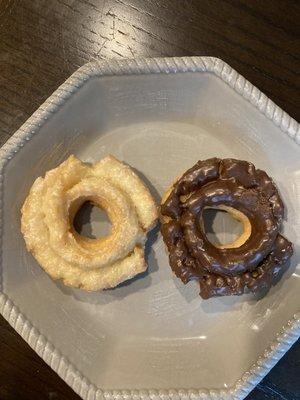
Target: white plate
[153,338]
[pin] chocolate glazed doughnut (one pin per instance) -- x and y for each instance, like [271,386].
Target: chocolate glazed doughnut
[252,261]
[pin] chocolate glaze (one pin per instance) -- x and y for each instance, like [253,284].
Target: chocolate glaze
[253,265]
[262,278]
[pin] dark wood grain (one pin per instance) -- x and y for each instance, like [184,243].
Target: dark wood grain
[43,41]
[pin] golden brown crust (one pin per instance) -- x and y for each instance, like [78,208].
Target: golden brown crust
[124,178]
[80,262]
[238,215]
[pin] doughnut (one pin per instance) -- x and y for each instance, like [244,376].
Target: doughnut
[251,262]
[50,208]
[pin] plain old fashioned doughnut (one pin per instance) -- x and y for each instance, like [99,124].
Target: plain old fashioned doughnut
[91,264]
[255,259]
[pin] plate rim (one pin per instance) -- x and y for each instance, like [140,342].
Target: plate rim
[36,340]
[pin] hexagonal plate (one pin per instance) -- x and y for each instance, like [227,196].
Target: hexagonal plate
[153,338]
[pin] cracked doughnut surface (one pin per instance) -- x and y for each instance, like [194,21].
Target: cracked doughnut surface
[91,264]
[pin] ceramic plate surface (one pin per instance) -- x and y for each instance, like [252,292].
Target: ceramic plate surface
[153,337]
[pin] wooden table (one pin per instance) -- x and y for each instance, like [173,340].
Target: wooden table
[43,41]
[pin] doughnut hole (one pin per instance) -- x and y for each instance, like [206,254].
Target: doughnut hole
[91,221]
[225,227]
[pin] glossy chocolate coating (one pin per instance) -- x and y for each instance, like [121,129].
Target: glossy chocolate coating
[261,279]
[220,272]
